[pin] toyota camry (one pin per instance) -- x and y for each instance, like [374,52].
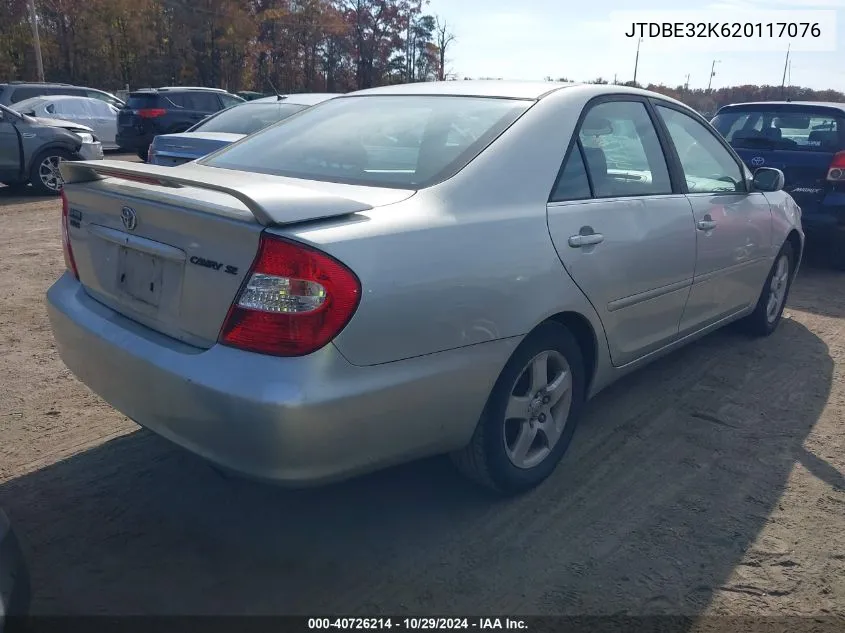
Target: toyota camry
[435,268]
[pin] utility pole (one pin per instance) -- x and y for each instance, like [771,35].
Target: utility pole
[712,73]
[686,85]
[614,79]
[785,66]
[637,59]
[36,41]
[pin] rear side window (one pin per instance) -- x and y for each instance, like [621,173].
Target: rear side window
[623,151]
[793,129]
[572,183]
[201,101]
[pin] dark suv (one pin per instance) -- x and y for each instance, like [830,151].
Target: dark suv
[15,91]
[806,141]
[155,111]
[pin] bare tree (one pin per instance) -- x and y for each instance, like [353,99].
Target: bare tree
[444,37]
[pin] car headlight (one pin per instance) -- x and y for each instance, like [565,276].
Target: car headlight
[86,137]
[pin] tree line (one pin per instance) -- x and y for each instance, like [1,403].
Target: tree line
[292,45]
[289,45]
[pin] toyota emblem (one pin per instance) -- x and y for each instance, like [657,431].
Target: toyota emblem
[757,161]
[129,219]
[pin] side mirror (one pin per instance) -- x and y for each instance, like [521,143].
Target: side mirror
[768,179]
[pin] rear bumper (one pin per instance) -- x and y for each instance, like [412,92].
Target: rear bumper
[294,421]
[14,577]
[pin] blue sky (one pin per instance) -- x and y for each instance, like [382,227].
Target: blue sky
[570,38]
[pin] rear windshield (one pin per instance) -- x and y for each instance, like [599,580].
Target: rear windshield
[248,118]
[406,142]
[140,101]
[782,129]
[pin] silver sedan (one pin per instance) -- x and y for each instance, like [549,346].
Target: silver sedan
[451,267]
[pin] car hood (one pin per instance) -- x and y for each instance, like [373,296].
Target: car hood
[68,125]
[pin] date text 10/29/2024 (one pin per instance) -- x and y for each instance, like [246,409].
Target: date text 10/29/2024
[416,624]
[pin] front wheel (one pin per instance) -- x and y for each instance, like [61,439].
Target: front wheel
[767,315]
[45,176]
[531,414]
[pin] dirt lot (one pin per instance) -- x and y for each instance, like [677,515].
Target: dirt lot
[710,482]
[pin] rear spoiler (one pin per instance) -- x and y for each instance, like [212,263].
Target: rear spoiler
[271,203]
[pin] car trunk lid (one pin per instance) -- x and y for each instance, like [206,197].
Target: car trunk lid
[170,247]
[175,149]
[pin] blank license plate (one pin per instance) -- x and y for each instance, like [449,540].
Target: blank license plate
[140,276]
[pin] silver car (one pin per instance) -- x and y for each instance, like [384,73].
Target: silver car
[96,114]
[228,126]
[449,267]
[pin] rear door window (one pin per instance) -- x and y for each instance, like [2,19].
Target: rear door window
[797,130]
[623,152]
[202,101]
[26,93]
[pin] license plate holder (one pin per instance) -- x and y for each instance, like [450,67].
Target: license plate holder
[140,276]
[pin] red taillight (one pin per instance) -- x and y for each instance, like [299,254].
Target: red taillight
[836,170]
[70,262]
[151,113]
[295,300]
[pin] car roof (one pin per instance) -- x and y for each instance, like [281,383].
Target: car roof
[177,88]
[504,89]
[62,98]
[302,98]
[781,104]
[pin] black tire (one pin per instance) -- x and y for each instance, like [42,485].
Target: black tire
[485,459]
[761,322]
[142,153]
[38,177]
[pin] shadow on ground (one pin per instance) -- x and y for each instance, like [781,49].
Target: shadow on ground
[812,291]
[667,486]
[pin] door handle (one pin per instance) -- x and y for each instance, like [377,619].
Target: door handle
[706,225]
[577,241]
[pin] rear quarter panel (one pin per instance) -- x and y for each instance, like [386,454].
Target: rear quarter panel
[467,261]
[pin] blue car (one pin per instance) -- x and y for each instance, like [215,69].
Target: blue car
[806,141]
[228,126]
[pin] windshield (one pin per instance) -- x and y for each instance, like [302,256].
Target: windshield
[782,129]
[406,142]
[248,118]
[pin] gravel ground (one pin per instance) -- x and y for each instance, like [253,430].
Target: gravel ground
[710,482]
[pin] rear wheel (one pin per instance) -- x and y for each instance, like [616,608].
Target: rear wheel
[45,176]
[767,315]
[142,153]
[531,414]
